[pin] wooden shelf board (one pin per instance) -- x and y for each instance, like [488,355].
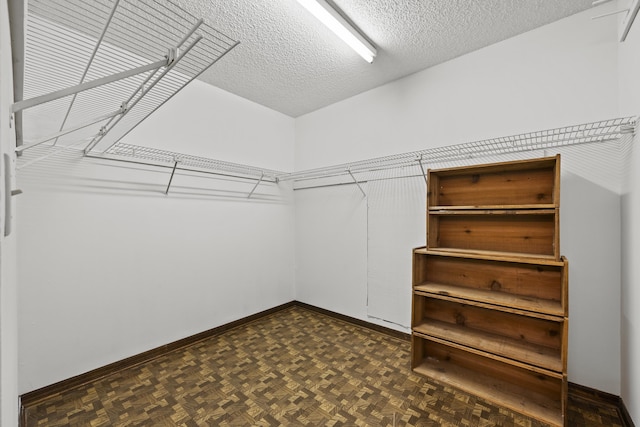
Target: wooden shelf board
[540,206]
[528,164]
[497,255]
[486,387]
[442,210]
[491,256]
[529,306]
[543,357]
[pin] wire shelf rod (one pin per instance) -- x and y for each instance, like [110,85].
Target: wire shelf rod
[187,82]
[152,84]
[67,12]
[179,12]
[50,49]
[111,157]
[88,66]
[150,43]
[554,138]
[28,103]
[41,38]
[172,16]
[61,132]
[128,101]
[256,186]
[61,40]
[78,14]
[185,159]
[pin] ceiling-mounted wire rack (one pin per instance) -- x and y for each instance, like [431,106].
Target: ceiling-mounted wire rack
[95,70]
[587,133]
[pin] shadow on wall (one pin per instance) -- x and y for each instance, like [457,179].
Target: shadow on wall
[71,172]
[590,238]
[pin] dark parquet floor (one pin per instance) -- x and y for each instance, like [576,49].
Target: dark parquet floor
[296,367]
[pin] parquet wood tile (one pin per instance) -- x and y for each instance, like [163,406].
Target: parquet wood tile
[296,367]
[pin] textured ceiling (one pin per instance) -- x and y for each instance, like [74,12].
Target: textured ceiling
[290,62]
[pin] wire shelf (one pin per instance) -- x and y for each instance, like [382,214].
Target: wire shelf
[587,133]
[71,42]
[157,157]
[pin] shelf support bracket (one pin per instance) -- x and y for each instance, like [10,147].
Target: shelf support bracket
[173,171]
[424,175]
[357,183]
[32,102]
[255,186]
[57,135]
[172,61]
[86,69]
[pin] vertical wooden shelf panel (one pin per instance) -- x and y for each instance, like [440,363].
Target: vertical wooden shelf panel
[490,289]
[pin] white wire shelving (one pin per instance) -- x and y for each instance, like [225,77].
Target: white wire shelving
[587,133]
[186,162]
[569,136]
[94,70]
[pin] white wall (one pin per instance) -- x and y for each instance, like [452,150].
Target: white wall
[110,267]
[562,74]
[630,353]
[8,286]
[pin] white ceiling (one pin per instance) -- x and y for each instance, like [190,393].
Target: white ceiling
[290,62]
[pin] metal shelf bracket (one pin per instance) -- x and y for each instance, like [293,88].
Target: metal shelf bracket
[173,171]
[357,183]
[256,186]
[424,175]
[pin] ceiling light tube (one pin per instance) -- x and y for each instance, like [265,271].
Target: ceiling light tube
[336,23]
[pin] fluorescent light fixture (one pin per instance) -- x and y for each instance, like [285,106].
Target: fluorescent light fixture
[336,23]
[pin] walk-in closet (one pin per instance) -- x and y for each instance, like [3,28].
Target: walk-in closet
[319,212]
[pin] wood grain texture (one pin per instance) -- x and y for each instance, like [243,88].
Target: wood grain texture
[532,182]
[531,340]
[525,233]
[525,286]
[527,392]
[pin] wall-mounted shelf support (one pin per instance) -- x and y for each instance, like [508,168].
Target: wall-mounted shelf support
[32,102]
[424,175]
[629,18]
[171,61]
[256,186]
[357,183]
[173,171]
[586,133]
[31,144]
[116,42]
[627,22]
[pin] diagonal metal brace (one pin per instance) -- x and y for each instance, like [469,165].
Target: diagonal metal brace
[62,132]
[424,175]
[173,171]
[32,102]
[256,186]
[357,183]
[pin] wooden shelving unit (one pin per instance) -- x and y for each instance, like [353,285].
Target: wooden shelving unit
[490,289]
